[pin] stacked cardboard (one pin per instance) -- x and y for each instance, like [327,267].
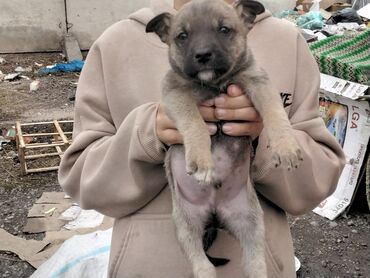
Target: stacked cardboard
[328,5]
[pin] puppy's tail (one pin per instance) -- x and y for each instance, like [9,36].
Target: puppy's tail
[210,234]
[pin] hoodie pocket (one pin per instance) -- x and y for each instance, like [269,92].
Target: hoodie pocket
[150,249]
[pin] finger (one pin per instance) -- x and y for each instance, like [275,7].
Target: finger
[212,128]
[234,91]
[164,122]
[171,137]
[253,129]
[249,114]
[225,101]
[208,113]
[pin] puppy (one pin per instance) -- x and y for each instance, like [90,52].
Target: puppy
[209,175]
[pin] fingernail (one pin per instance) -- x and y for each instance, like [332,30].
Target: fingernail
[219,100]
[232,90]
[212,129]
[220,112]
[226,128]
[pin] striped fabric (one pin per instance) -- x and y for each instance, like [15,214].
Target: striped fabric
[345,56]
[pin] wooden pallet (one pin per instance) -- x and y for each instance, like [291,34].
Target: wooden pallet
[42,146]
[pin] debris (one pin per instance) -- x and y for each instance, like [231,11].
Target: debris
[333,224]
[71,48]
[39,65]
[72,96]
[2,60]
[25,77]
[297,264]
[21,69]
[3,141]
[40,225]
[84,219]
[27,250]
[34,86]
[73,66]
[315,6]
[71,213]
[52,198]
[1,75]
[342,87]
[80,256]
[9,134]
[364,12]
[350,223]
[311,20]
[50,210]
[42,210]
[11,76]
[345,15]
[12,155]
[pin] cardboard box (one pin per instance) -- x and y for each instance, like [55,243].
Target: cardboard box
[324,4]
[338,7]
[348,119]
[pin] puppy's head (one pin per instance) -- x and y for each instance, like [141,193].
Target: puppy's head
[206,38]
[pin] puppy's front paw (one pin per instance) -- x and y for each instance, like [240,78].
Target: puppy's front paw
[200,166]
[286,152]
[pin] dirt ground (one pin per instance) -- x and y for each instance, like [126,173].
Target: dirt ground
[325,248]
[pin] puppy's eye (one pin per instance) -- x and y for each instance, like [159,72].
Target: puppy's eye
[224,30]
[182,36]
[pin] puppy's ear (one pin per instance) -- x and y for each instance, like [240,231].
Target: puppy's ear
[248,10]
[161,26]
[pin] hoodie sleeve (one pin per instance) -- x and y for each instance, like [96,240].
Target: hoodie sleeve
[113,169]
[302,189]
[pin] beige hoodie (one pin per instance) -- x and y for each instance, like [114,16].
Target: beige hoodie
[115,164]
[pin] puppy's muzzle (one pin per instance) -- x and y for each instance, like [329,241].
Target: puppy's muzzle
[204,56]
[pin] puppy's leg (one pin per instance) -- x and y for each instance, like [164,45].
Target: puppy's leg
[284,147]
[182,107]
[189,222]
[189,219]
[243,217]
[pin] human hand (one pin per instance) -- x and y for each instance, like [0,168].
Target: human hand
[237,109]
[234,106]
[166,128]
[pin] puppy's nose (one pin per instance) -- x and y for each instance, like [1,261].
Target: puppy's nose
[204,56]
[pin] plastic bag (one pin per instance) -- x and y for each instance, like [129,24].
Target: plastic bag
[82,256]
[315,6]
[345,15]
[310,20]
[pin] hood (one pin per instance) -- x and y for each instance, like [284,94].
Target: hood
[157,7]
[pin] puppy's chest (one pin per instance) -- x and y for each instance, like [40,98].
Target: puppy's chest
[231,157]
[228,151]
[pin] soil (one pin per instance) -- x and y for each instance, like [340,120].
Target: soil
[325,248]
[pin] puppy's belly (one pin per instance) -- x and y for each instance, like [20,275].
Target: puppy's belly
[232,163]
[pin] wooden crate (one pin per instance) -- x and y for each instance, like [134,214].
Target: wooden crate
[41,145]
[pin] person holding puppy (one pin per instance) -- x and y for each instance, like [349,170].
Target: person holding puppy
[121,134]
